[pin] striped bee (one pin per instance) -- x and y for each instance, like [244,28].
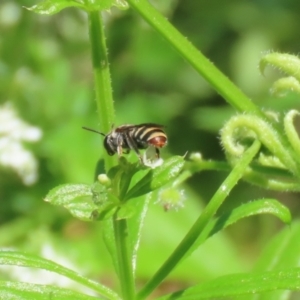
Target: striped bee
[128,137]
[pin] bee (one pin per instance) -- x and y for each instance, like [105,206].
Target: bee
[128,137]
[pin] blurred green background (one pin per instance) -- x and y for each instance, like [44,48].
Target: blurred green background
[46,75]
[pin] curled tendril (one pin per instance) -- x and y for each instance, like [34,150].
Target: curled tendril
[241,129]
[282,85]
[290,130]
[287,63]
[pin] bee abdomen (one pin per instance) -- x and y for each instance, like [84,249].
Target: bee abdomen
[154,136]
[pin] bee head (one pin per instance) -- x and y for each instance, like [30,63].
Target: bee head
[109,145]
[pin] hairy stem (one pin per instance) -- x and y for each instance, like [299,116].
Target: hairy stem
[102,78]
[124,259]
[203,66]
[202,221]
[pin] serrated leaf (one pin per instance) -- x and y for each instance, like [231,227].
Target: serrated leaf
[51,7]
[157,178]
[27,260]
[262,206]
[10,290]
[241,284]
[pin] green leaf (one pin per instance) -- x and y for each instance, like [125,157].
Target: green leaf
[110,241]
[86,210]
[241,284]
[135,225]
[51,7]
[121,4]
[283,250]
[77,198]
[135,213]
[157,178]
[281,253]
[64,194]
[262,206]
[21,291]
[27,260]
[85,202]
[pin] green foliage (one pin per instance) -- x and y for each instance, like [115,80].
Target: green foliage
[27,260]
[261,148]
[51,7]
[241,284]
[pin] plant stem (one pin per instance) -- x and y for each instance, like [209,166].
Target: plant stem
[217,79]
[124,259]
[202,221]
[207,69]
[102,78]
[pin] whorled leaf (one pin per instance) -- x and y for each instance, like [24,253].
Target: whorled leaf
[231,286]
[27,260]
[261,206]
[157,177]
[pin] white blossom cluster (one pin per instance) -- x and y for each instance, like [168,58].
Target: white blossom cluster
[13,155]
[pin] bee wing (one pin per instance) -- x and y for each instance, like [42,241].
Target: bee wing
[125,127]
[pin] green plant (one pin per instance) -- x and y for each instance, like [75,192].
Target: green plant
[258,149]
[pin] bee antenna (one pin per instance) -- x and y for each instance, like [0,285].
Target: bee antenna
[93,130]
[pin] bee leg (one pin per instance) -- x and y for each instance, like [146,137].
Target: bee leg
[132,145]
[119,143]
[119,150]
[157,152]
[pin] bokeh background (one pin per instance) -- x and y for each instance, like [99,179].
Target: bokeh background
[47,95]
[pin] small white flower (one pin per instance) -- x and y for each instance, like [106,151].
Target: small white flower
[13,155]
